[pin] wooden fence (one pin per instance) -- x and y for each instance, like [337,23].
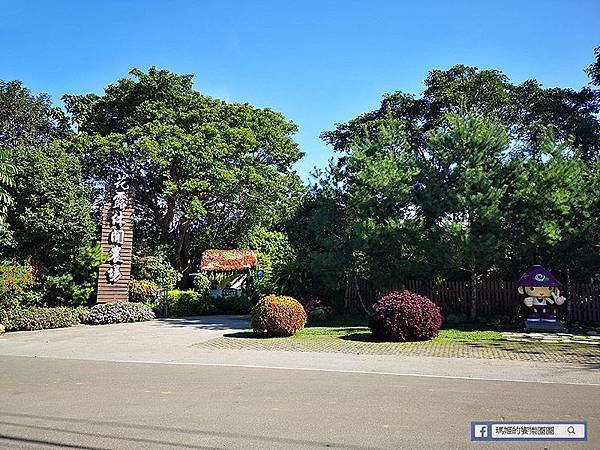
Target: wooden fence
[495,299]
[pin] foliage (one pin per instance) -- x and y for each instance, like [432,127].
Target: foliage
[477,179]
[156,268]
[143,291]
[404,316]
[557,187]
[202,284]
[233,305]
[7,180]
[593,70]
[228,260]
[276,258]
[310,303]
[524,109]
[119,312]
[27,120]
[361,220]
[50,215]
[278,316]
[51,221]
[34,318]
[17,286]
[192,303]
[185,303]
[82,313]
[77,287]
[15,278]
[205,171]
[464,188]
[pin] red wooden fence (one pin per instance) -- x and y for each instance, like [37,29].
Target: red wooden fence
[494,298]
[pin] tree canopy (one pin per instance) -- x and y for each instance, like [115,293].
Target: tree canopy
[477,178]
[525,109]
[204,171]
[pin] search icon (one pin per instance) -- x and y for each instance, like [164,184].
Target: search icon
[571,430]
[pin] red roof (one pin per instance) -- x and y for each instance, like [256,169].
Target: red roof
[225,260]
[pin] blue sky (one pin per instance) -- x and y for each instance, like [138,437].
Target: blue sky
[317,62]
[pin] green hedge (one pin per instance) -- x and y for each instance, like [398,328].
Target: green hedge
[191,303]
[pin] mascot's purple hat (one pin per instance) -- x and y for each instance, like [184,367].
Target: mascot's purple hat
[537,276]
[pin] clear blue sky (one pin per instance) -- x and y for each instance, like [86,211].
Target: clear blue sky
[317,62]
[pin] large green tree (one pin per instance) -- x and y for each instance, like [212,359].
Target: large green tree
[27,119]
[49,220]
[204,171]
[550,216]
[468,177]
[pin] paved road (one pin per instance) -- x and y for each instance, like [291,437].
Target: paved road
[52,402]
[147,385]
[173,340]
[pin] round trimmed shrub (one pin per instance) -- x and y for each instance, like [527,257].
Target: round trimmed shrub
[278,315]
[404,316]
[119,312]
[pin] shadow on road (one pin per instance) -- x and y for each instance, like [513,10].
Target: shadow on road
[217,323]
[66,433]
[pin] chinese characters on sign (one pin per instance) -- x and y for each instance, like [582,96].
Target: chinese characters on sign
[117,236]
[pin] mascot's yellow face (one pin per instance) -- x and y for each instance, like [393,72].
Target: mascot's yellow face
[537,291]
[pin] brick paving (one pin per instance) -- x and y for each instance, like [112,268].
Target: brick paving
[501,349]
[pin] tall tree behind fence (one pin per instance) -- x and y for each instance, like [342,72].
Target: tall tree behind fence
[495,299]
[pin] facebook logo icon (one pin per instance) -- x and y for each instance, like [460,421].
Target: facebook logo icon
[480,431]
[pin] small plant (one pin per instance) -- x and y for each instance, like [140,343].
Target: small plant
[278,316]
[202,283]
[82,313]
[404,316]
[156,268]
[119,312]
[310,303]
[143,291]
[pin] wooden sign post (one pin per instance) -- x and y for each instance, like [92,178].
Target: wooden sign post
[117,241]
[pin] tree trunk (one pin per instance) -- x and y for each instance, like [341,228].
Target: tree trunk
[567,295]
[473,309]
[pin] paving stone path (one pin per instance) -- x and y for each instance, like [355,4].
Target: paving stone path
[567,338]
[531,350]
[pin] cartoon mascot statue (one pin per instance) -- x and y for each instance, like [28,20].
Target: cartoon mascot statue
[542,298]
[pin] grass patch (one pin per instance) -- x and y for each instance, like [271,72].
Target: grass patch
[456,334]
[352,328]
[331,331]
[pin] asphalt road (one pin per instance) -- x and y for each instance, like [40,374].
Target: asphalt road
[52,403]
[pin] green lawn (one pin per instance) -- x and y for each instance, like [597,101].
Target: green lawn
[353,329]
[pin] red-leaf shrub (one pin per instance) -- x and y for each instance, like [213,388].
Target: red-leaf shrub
[310,303]
[278,316]
[404,316]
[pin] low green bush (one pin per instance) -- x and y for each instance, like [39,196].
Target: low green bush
[185,303]
[232,305]
[29,319]
[192,303]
